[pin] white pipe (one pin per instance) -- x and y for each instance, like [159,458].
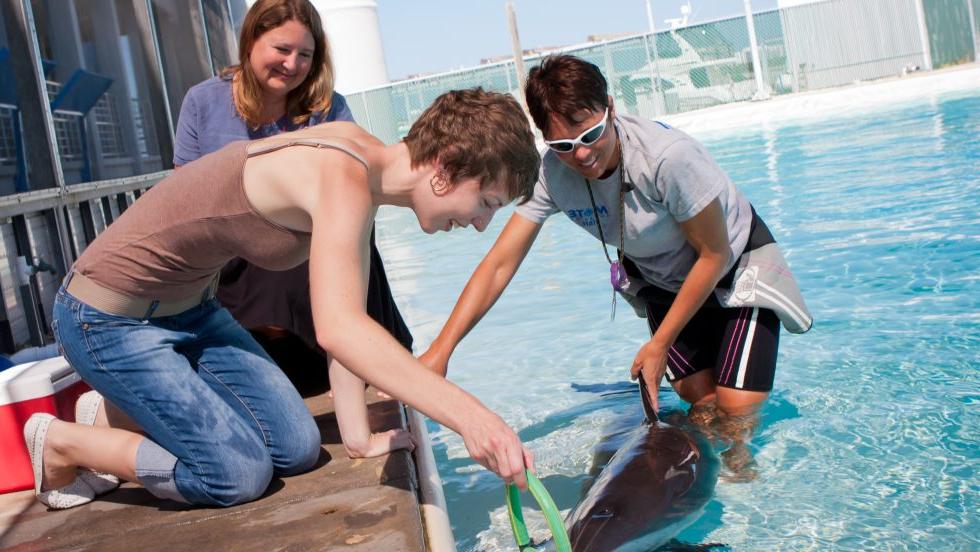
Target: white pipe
[435,516]
[515,44]
[973,29]
[659,105]
[761,90]
[920,16]
[650,25]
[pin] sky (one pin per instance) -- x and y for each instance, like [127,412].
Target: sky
[433,36]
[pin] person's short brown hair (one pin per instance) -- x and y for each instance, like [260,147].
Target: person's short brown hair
[314,94]
[477,134]
[564,85]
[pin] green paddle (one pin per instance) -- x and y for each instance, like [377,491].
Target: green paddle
[547,505]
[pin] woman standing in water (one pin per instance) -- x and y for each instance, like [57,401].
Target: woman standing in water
[683,239]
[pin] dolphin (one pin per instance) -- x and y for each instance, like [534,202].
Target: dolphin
[655,485]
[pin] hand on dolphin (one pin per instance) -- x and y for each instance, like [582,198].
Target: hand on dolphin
[651,363]
[495,446]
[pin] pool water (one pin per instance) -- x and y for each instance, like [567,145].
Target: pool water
[870,438]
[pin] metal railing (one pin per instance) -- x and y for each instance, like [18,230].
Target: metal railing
[30,270]
[111,144]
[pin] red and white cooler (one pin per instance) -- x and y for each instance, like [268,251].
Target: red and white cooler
[51,386]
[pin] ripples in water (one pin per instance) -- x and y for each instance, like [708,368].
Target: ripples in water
[870,438]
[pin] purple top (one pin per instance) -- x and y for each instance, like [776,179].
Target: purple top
[208,120]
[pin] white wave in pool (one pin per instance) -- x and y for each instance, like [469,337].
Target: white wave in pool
[855,100]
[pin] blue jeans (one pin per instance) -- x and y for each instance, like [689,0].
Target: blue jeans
[220,417]
[35,354]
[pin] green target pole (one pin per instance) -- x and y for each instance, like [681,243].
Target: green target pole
[549,509]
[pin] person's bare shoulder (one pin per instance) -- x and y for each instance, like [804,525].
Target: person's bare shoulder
[343,133]
[339,129]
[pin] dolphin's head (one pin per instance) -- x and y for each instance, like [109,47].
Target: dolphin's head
[631,500]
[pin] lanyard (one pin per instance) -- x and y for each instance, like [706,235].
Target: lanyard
[617,273]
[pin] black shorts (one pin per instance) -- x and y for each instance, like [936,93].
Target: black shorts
[738,345]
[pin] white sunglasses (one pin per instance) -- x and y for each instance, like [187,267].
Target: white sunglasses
[587,138]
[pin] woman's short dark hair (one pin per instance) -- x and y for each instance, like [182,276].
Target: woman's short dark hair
[477,134]
[564,85]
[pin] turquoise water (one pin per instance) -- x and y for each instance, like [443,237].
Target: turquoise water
[870,439]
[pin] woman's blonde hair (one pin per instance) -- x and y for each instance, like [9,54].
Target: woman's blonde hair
[314,94]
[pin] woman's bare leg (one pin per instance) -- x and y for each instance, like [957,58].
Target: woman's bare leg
[110,416]
[68,446]
[739,402]
[727,415]
[698,389]
[738,417]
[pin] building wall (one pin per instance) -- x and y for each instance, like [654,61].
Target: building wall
[113,74]
[841,41]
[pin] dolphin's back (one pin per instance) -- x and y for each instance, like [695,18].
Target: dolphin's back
[640,494]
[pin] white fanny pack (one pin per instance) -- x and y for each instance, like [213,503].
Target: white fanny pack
[763,279]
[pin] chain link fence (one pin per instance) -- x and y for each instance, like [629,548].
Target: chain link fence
[800,48]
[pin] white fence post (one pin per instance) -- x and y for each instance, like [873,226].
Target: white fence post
[920,13]
[973,29]
[659,106]
[515,43]
[761,90]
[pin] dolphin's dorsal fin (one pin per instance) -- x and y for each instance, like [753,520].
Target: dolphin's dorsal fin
[651,414]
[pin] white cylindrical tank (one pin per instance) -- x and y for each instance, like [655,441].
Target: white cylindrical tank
[355,42]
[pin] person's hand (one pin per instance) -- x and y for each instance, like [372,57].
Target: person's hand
[434,360]
[383,443]
[495,446]
[651,363]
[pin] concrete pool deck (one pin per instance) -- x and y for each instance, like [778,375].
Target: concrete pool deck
[857,98]
[358,505]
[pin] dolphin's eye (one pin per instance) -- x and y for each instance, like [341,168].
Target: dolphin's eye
[603,513]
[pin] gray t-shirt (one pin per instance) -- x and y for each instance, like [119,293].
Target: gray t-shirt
[670,177]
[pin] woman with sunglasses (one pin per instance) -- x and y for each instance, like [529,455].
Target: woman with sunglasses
[688,231]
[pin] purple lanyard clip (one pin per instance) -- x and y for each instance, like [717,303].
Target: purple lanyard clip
[617,276]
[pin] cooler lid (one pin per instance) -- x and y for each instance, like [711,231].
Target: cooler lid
[33,380]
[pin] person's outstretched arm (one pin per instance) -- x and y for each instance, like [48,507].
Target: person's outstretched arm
[352,418]
[485,286]
[708,235]
[342,217]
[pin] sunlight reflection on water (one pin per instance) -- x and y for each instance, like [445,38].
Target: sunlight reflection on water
[870,438]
